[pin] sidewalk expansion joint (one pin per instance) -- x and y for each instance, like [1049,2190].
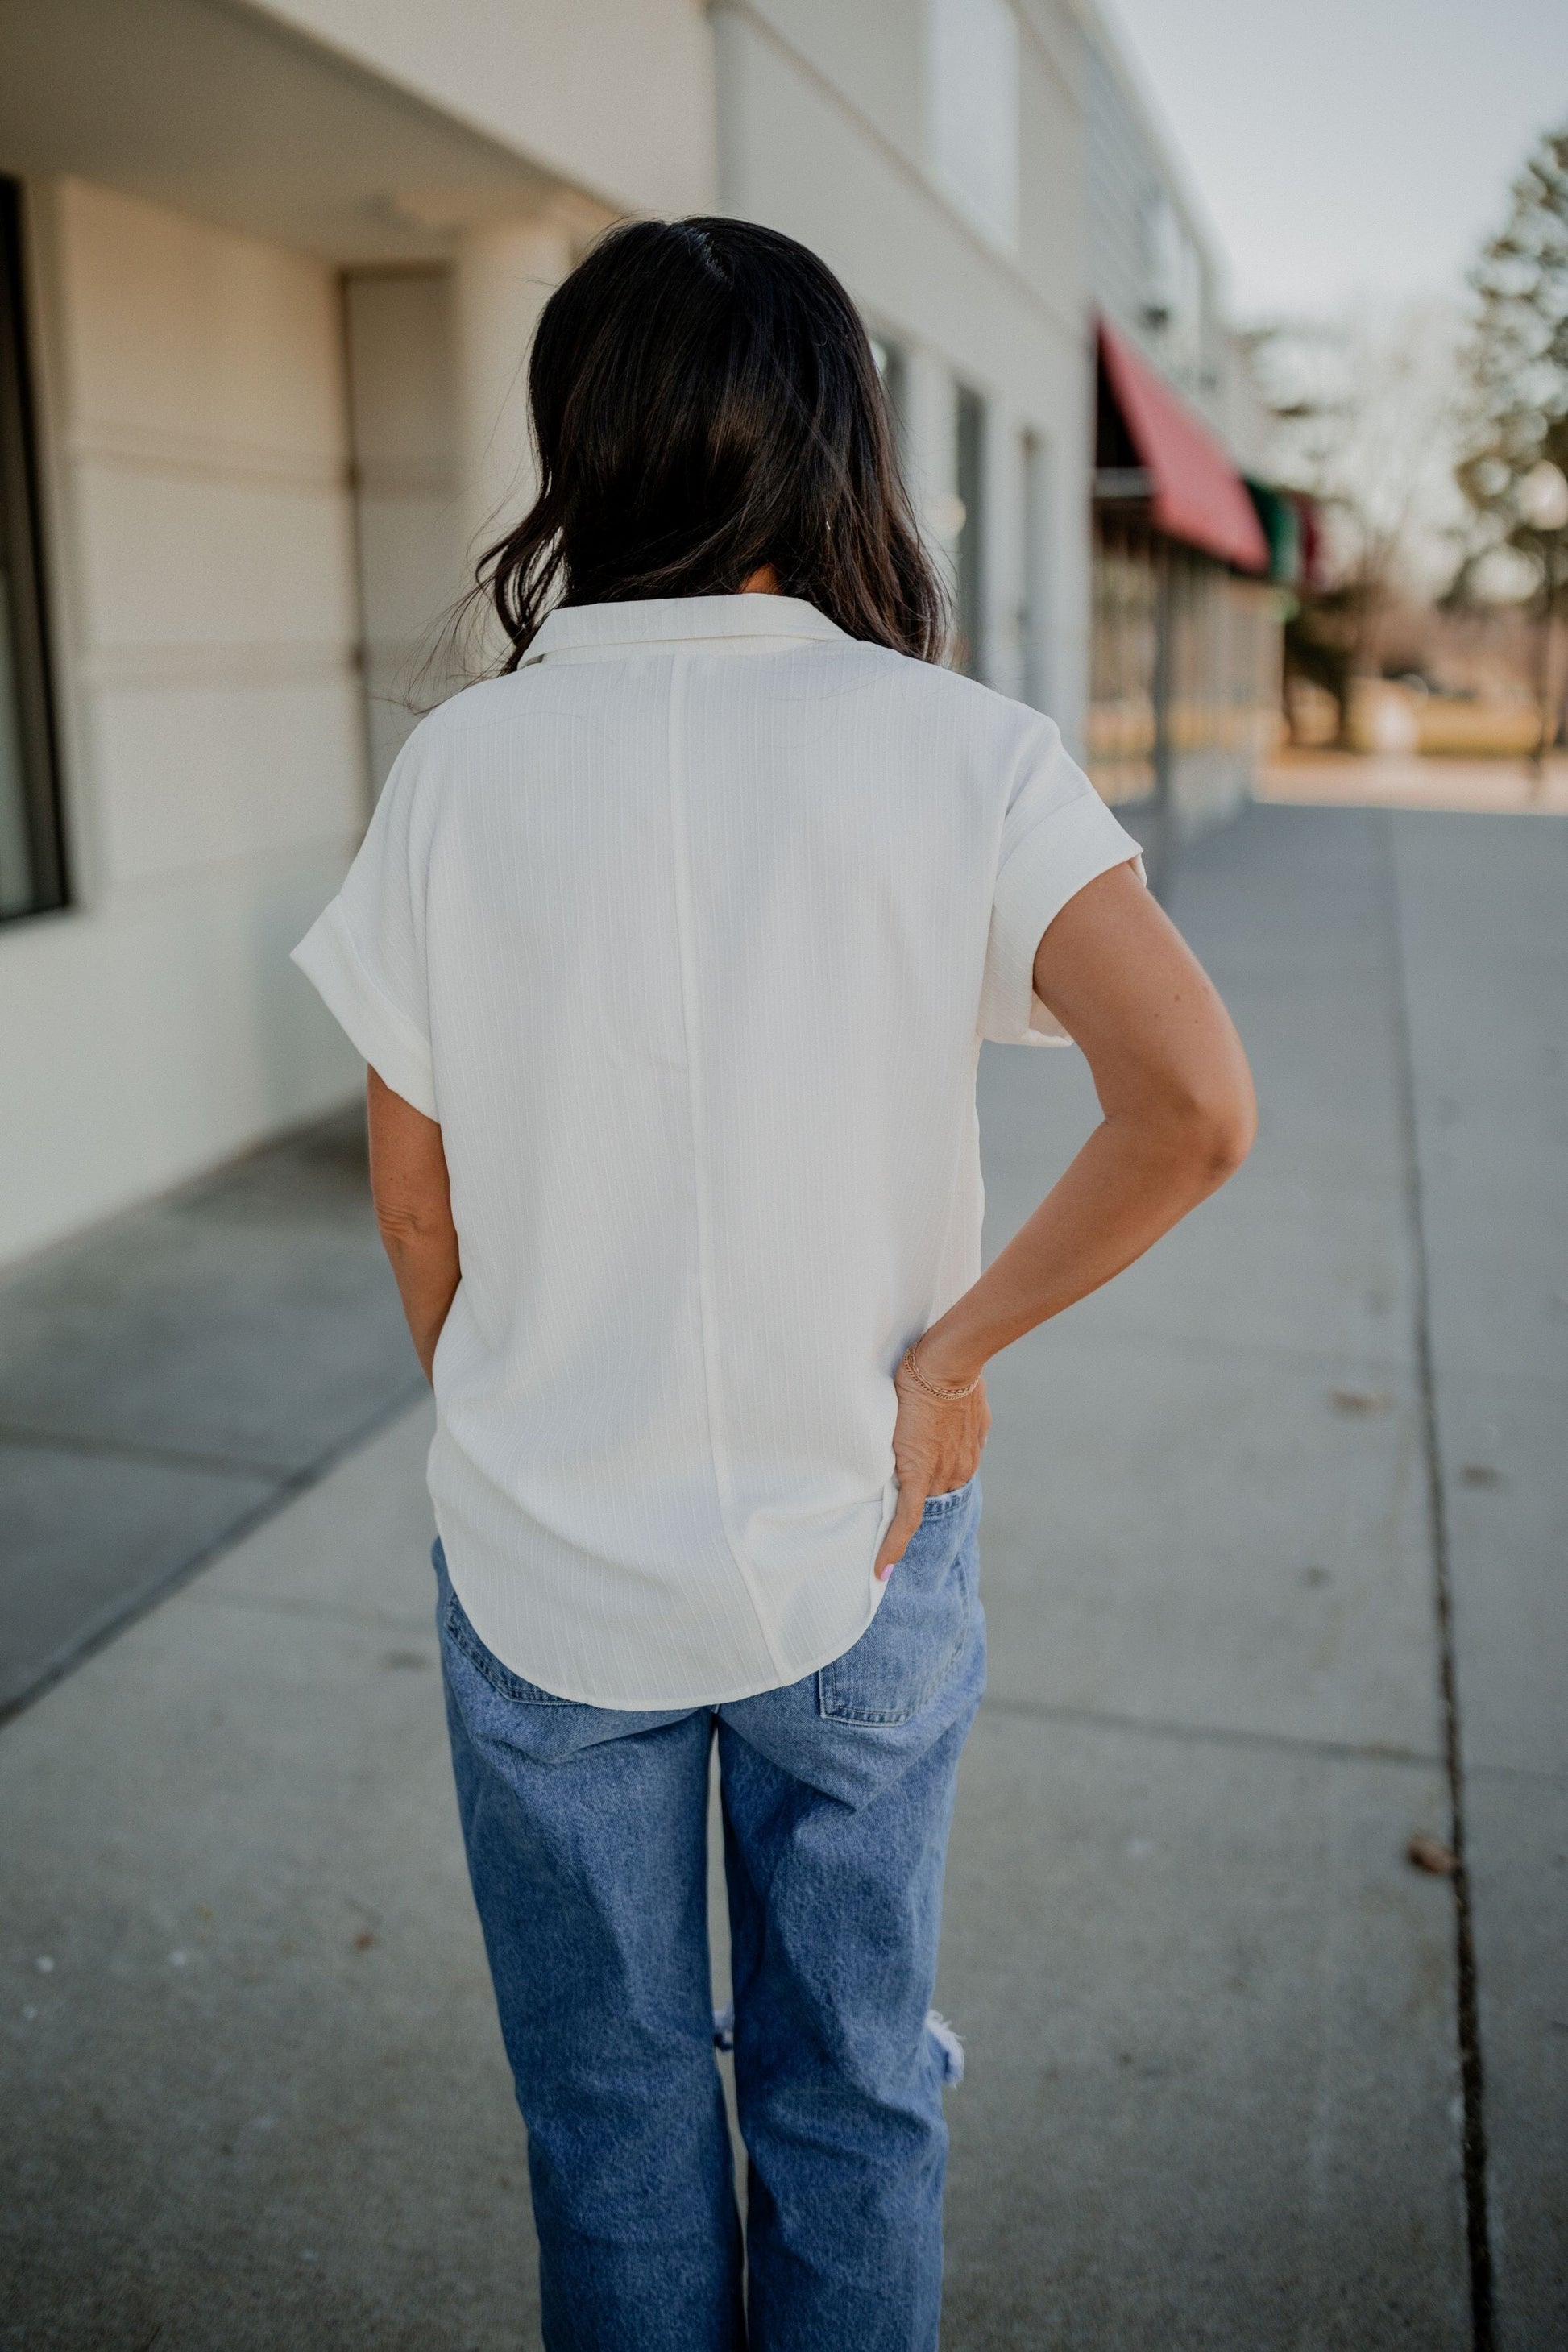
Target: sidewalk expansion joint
[1472,2072]
[1540,1776]
[324,1612]
[133,1449]
[1352,1751]
[286,1489]
[1138,1338]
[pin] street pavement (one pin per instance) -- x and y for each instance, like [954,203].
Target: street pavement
[1274,1533]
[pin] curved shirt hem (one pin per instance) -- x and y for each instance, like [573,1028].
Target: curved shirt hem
[664,1705]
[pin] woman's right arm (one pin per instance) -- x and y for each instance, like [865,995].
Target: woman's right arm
[413,1197]
[1178,1118]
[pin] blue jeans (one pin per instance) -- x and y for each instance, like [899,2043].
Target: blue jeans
[587,1834]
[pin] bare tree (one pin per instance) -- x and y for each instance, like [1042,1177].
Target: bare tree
[1366,417]
[1514,467]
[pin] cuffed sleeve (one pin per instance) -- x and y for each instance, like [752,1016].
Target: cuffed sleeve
[375,1025]
[1058,835]
[365,954]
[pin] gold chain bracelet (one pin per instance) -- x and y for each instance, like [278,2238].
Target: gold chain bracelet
[946,1396]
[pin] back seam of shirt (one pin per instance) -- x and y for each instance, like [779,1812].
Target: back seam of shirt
[686,943]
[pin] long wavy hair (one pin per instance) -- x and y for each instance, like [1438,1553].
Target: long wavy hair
[703,402]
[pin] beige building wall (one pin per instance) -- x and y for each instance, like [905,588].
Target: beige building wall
[232,517]
[438,385]
[401,348]
[283,185]
[194,428]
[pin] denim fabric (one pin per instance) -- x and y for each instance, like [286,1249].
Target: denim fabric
[585,1829]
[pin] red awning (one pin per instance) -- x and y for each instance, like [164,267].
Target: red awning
[1199,497]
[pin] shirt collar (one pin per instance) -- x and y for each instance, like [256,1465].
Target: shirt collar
[720,624]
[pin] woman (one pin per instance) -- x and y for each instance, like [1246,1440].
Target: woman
[670,949]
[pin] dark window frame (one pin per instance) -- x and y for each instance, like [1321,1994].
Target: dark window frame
[893,368]
[22,546]
[972,428]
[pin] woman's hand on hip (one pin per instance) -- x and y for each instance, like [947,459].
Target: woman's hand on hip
[937,1443]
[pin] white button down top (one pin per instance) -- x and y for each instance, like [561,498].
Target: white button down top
[687,934]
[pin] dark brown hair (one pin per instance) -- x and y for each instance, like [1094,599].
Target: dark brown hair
[704,402]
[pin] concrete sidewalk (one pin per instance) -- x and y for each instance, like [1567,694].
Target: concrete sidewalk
[1412,780]
[173,1378]
[1214,2019]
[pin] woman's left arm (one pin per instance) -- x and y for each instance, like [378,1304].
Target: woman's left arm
[1179,1114]
[413,1211]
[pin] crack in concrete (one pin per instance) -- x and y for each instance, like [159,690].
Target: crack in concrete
[1472,2071]
[1214,1734]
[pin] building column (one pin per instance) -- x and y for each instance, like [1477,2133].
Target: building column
[506,271]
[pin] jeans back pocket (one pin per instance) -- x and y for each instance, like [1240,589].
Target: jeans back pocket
[918,1633]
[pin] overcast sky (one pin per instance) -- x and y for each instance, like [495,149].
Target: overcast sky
[1350,147]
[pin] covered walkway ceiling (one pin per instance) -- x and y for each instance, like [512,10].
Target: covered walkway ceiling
[216,110]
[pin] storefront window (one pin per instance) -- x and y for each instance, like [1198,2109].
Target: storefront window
[1119,725]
